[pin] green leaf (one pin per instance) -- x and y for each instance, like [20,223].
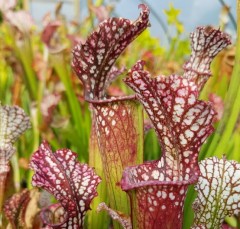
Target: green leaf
[172,14]
[172,18]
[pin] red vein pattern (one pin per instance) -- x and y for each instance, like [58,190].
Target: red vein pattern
[182,122]
[15,206]
[13,122]
[93,60]
[73,184]
[206,43]
[117,128]
[156,197]
[6,153]
[56,213]
[218,190]
[113,74]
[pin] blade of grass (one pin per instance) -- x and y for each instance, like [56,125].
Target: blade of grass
[24,53]
[80,120]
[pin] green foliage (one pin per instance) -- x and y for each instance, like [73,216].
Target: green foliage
[172,18]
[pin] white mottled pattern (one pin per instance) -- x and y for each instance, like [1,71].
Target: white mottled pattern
[73,184]
[218,190]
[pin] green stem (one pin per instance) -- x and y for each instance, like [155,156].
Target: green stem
[24,53]
[16,171]
[97,219]
[35,137]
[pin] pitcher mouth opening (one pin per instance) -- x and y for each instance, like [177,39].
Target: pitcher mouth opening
[138,176]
